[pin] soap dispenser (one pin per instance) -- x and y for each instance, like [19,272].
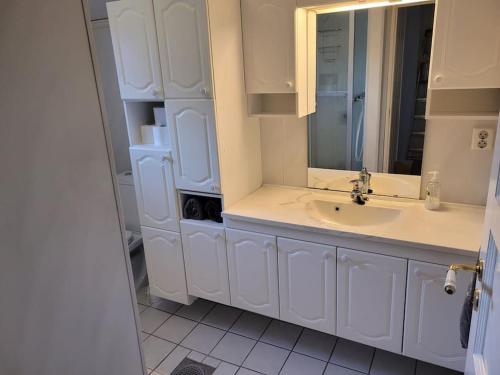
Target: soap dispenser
[432,192]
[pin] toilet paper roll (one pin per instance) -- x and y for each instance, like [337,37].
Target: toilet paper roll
[160,135]
[147,134]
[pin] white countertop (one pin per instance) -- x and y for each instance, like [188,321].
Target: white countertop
[456,227]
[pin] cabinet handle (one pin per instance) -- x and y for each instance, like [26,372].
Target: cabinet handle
[172,241]
[217,236]
[214,188]
[289,84]
[438,78]
[269,245]
[417,272]
[168,157]
[204,91]
[157,93]
[343,259]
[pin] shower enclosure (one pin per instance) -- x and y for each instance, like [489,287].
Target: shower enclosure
[336,129]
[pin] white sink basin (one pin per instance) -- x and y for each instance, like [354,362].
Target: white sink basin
[351,214]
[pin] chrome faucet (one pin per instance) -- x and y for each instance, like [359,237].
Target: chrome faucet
[361,187]
[357,195]
[365,178]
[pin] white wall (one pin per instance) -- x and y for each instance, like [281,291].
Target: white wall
[284,150]
[66,296]
[464,172]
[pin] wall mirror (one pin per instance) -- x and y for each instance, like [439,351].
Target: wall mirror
[371,87]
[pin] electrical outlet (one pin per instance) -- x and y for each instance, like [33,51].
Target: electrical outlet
[482,138]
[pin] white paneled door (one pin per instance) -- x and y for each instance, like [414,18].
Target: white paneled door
[307,284]
[253,271]
[154,188]
[165,264]
[135,48]
[269,45]
[370,298]
[191,125]
[430,312]
[182,27]
[204,246]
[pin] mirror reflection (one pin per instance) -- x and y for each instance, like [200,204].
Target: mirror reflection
[372,69]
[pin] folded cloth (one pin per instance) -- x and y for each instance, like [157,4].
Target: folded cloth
[465,317]
[193,209]
[213,210]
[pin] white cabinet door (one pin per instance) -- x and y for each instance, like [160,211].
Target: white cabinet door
[432,317]
[466,45]
[204,246]
[154,188]
[269,45]
[370,298]
[135,48]
[253,271]
[191,125]
[307,284]
[165,264]
[184,48]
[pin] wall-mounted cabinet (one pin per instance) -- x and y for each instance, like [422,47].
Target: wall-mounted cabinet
[191,125]
[464,78]
[307,284]
[253,271]
[370,298]
[154,188]
[276,41]
[466,45]
[182,27]
[204,246]
[165,264]
[135,48]
[425,322]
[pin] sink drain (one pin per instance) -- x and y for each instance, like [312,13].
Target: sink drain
[190,367]
[189,370]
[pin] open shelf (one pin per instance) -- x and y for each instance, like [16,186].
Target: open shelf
[203,198]
[138,114]
[480,104]
[270,105]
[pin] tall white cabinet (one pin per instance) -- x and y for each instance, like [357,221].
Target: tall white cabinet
[307,284]
[193,139]
[165,264]
[155,190]
[253,271]
[204,246]
[375,284]
[184,48]
[135,48]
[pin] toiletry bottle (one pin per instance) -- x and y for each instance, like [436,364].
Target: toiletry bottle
[432,192]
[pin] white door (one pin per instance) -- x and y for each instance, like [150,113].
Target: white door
[307,282]
[466,45]
[253,271]
[135,47]
[154,188]
[165,264]
[484,339]
[370,298]
[431,322]
[184,48]
[269,45]
[204,246]
[191,125]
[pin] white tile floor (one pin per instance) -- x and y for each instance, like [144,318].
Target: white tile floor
[236,342]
